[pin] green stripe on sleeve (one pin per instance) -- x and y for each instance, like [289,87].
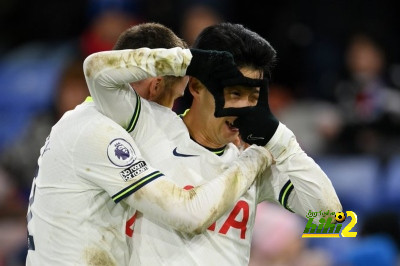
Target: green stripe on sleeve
[136,186]
[285,193]
[135,116]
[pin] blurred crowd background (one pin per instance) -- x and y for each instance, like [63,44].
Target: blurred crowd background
[336,85]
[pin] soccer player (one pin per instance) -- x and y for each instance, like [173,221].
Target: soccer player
[91,175]
[201,142]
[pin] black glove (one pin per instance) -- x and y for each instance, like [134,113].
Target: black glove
[256,124]
[215,69]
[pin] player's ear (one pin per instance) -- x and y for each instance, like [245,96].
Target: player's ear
[155,88]
[195,86]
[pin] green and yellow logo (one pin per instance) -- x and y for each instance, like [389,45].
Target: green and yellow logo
[327,229]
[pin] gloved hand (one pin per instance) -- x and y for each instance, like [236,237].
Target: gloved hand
[256,124]
[214,69]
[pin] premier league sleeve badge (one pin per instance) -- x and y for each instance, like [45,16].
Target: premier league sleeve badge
[121,153]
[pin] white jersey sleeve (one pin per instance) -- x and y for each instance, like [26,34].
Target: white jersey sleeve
[106,155]
[108,75]
[295,181]
[194,210]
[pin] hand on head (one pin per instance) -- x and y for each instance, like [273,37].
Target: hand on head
[214,69]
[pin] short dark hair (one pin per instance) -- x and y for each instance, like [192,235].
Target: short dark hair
[151,35]
[247,47]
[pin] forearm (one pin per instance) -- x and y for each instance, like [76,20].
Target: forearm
[109,74]
[312,189]
[126,66]
[194,210]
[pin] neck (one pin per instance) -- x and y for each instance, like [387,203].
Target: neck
[166,100]
[167,103]
[198,130]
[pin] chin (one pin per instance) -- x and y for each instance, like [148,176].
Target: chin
[233,138]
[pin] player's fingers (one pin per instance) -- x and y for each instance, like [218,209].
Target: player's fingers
[234,111]
[263,96]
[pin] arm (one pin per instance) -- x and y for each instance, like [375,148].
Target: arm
[193,211]
[147,190]
[108,75]
[297,182]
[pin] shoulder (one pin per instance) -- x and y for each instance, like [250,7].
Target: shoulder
[86,123]
[102,126]
[162,112]
[232,150]
[161,117]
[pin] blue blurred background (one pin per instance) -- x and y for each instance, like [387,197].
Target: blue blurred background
[336,85]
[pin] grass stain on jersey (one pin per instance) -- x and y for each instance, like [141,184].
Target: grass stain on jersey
[112,61]
[98,257]
[98,62]
[192,193]
[227,201]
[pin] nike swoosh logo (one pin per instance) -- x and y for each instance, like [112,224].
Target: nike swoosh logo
[174,152]
[250,137]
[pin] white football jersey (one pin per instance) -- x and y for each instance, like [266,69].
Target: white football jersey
[295,181]
[91,176]
[87,165]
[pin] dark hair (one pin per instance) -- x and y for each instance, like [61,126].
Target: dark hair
[247,47]
[151,35]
